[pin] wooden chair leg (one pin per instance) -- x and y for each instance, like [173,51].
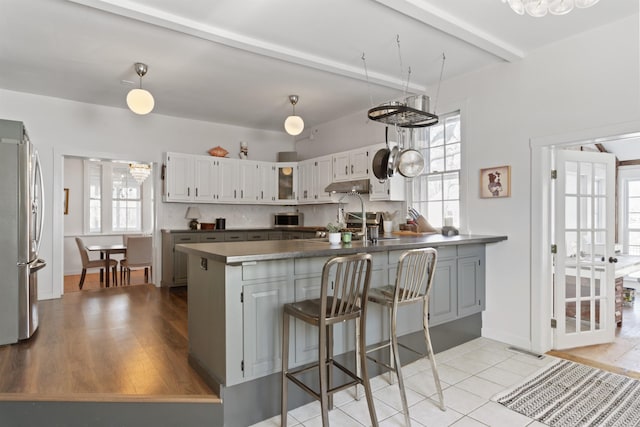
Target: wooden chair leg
[82,277]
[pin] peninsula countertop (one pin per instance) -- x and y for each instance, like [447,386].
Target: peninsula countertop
[239,252]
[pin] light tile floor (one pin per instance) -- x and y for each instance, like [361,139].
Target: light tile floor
[470,374]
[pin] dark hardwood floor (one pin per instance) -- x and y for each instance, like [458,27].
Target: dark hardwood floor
[120,343]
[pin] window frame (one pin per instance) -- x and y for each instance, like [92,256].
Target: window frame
[413,186]
[107,200]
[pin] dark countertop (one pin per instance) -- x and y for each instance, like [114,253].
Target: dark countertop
[304,228]
[238,252]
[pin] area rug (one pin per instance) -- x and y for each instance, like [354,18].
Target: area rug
[568,394]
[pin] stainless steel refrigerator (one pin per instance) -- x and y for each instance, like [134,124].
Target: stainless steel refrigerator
[21,220]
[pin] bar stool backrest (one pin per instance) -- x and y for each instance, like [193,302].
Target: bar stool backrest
[345,283]
[416,269]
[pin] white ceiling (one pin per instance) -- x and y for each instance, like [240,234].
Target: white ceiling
[236,61]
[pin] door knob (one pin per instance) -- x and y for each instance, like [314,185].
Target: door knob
[613,260]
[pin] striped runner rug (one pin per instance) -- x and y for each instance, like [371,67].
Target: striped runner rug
[569,394]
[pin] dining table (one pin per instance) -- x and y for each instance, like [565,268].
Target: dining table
[105,253]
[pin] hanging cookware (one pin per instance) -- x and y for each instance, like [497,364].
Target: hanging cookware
[381,158]
[379,165]
[392,163]
[410,163]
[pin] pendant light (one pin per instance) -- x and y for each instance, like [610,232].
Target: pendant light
[140,101]
[294,125]
[139,171]
[539,8]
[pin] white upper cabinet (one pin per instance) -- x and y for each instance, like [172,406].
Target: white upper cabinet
[350,165]
[179,184]
[323,174]
[228,177]
[205,179]
[266,178]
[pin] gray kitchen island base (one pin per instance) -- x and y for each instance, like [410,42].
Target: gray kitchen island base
[250,402]
[237,292]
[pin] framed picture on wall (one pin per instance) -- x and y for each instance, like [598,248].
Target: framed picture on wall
[495,182]
[66,201]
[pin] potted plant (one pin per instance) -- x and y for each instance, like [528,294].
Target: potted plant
[334,231]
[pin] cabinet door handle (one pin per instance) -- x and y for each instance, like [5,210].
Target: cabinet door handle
[351,169]
[346,170]
[188,191]
[234,194]
[242,194]
[196,191]
[261,195]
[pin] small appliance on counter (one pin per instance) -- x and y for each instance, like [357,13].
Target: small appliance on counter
[221,223]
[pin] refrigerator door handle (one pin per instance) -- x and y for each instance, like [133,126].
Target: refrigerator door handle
[38,172]
[37,265]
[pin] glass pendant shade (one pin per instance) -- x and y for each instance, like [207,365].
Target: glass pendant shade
[517,6]
[140,101]
[536,8]
[294,125]
[560,7]
[585,3]
[539,8]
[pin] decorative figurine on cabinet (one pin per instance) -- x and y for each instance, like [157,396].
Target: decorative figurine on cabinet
[244,150]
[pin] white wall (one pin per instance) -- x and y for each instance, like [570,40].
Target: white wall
[61,128]
[589,81]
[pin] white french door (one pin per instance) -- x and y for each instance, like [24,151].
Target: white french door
[584,288]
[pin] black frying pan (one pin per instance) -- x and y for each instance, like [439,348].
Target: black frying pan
[381,159]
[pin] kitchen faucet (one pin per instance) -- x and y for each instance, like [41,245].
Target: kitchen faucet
[353,193]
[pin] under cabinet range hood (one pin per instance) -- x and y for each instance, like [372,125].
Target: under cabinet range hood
[358,186]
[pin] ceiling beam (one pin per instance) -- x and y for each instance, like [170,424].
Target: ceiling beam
[133,10]
[601,148]
[432,16]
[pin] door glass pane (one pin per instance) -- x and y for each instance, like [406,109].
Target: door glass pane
[570,314]
[571,243]
[586,177]
[571,212]
[571,181]
[586,246]
[600,212]
[585,212]
[600,178]
[634,188]
[570,283]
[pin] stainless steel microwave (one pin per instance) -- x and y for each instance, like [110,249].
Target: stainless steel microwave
[288,219]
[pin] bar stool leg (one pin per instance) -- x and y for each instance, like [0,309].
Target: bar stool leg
[392,333]
[398,369]
[365,373]
[285,367]
[359,350]
[430,355]
[329,366]
[322,367]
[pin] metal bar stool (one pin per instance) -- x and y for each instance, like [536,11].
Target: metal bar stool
[414,277]
[343,296]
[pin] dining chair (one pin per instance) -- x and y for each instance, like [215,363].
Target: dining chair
[139,255]
[95,263]
[343,297]
[414,277]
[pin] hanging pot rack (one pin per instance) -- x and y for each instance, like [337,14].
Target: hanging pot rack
[402,116]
